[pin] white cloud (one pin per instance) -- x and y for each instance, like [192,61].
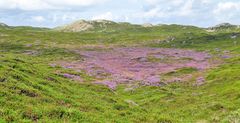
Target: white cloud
[57,12]
[152,13]
[168,8]
[24,4]
[46,4]
[186,10]
[227,6]
[206,1]
[227,11]
[74,2]
[172,2]
[105,16]
[38,18]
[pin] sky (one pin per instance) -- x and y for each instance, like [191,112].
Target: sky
[52,13]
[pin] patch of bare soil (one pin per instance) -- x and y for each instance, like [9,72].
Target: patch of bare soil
[138,65]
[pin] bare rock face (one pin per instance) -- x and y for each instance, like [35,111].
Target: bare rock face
[83,25]
[77,26]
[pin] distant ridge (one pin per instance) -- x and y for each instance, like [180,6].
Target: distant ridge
[147,25]
[224,26]
[83,25]
[3,25]
[99,25]
[111,26]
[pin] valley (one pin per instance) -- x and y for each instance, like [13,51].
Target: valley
[104,71]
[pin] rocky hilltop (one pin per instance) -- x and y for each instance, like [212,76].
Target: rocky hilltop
[99,25]
[111,26]
[83,25]
[224,26]
[3,25]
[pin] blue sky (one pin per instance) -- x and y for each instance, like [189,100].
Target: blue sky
[51,13]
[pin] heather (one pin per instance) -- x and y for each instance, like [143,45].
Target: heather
[135,66]
[165,74]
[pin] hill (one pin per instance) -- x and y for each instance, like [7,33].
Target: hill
[125,73]
[83,25]
[107,26]
[99,26]
[225,26]
[3,25]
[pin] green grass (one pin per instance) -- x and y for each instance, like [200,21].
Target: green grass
[181,71]
[31,90]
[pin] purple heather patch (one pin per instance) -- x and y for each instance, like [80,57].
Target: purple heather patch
[200,81]
[129,65]
[70,76]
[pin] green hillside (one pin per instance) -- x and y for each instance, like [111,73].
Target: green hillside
[34,88]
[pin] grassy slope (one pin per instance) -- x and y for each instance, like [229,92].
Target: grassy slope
[31,90]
